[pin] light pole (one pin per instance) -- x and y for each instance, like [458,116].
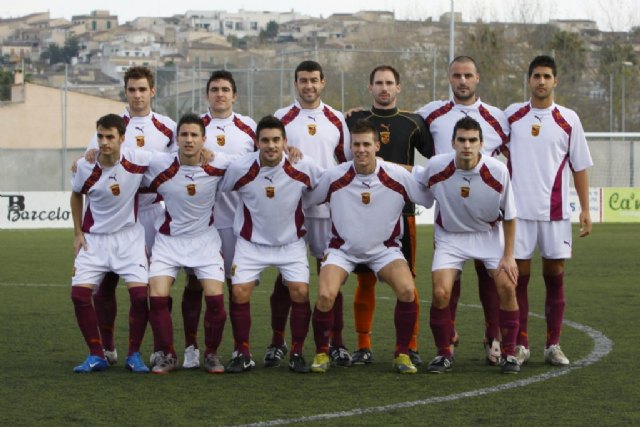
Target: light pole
[624,117]
[452,34]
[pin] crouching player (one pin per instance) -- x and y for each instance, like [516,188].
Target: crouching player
[186,238]
[366,197]
[108,238]
[269,225]
[473,194]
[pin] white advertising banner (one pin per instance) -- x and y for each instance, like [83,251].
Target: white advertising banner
[50,209]
[35,209]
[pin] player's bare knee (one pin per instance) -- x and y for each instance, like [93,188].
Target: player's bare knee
[240,294]
[406,293]
[299,292]
[441,296]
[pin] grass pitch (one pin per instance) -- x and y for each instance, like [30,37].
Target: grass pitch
[41,343]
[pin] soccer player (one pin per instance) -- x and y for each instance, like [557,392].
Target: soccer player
[270,227]
[366,198]
[401,133]
[547,141]
[148,131]
[440,118]
[234,134]
[108,238]
[321,133]
[187,238]
[473,194]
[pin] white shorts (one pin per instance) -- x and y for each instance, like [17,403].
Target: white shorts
[250,259]
[151,218]
[318,235]
[553,238]
[349,262]
[228,239]
[200,253]
[121,252]
[453,249]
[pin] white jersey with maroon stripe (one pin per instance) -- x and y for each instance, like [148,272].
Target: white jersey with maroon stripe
[545,144]
[234,135]
[270,210]
[188,192]
[153,132]
[111,201]
[440,117]
[468,200]
[320,133]
[366,210]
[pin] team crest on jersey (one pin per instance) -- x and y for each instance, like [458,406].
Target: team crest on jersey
[191,189]
[385,134]
[115,189]
[220,140]
[464,191]
[270,192]
[312,128]
[535,130]
[140,140]
[366,197]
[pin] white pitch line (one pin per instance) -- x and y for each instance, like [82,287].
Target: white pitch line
[602,347]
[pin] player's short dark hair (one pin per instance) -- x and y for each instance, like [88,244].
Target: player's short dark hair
[543,61]
[137,73]
[222,75]
[467,123]
[465,58]
[308,66]
[395,72]
[365,126]
[191,119]
[270,122]
[112,121]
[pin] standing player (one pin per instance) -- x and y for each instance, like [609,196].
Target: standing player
[108,238]
[401,133]
[366,198]
[187,239]
[319,132]
[234,134]
[149,131]
[473,194]
[269,226]
[440,118]
[547,140]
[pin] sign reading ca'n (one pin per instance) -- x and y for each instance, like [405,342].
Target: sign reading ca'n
[35,209]
[621,204]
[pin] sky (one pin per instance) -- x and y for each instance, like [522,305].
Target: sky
[622,17]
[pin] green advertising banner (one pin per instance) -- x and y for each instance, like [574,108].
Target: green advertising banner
[621,204]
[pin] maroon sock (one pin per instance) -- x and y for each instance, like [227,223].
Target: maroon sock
[554,307]
[280,304]
[138,317]
[300,316]
[523,306]
[214,319]
[509,331]
[453,302]
[106,308]
[191,308]
[241,325]
[87,320]
[405,317]
[338,322]
[322,327]
[161,323]
[490,303]
[440,323]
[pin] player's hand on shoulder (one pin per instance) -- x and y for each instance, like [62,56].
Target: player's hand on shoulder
[294,154]
[91,155]
[350,111]
[207,156]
